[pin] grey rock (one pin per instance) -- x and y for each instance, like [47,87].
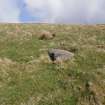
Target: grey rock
[59,55]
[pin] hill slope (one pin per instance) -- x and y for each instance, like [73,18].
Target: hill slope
[27,76]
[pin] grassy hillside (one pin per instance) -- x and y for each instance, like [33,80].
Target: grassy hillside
[27,76]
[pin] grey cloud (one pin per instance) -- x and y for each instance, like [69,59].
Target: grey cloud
[9,11]
[68,11]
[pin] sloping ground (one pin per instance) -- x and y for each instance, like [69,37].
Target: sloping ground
[27,76]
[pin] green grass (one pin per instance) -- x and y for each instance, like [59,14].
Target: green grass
[27,76]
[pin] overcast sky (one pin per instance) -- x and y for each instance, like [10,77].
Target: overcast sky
[53,11]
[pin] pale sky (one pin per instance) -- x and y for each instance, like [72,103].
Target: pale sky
[53,11]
